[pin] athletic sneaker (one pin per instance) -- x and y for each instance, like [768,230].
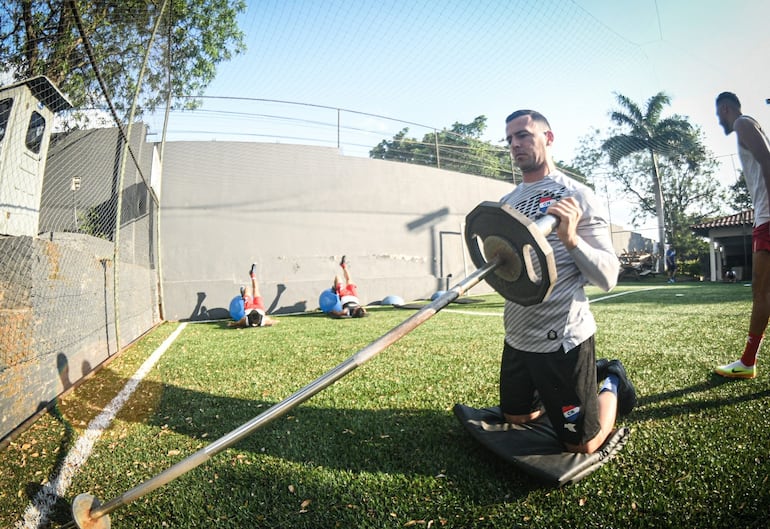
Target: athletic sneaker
[243,291]
[737,370]
[626,390]
[601,369]
[253,270]
[343,262]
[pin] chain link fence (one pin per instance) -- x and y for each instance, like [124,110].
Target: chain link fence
[79,263]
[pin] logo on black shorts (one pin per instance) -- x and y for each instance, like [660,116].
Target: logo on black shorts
[571,414]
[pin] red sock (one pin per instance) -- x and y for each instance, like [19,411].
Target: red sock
[753,342]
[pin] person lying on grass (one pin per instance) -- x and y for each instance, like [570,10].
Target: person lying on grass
[342,301]
[249,311]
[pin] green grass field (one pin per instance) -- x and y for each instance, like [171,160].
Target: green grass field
[381,447]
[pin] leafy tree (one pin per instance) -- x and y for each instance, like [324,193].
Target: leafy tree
[691,193]
[691,197]
[404,149]
[739,197]
[651,135]
[42,38]
[459,148]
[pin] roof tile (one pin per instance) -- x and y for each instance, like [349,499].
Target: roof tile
[738,219]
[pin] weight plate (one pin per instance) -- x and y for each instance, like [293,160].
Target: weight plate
[527,271]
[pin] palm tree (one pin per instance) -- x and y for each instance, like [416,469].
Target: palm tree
[671,137]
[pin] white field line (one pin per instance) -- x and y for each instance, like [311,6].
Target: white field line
[479,313]
[624,293]
[38,512]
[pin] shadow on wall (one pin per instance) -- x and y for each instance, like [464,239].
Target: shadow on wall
[428,220]
[203,313]
[63,368]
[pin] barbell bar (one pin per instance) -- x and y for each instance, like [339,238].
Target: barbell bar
[504,257]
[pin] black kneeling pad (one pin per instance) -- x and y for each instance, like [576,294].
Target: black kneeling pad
[534,447]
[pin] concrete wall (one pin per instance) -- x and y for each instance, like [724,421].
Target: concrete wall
[57,316]
[295,210]
[624,241]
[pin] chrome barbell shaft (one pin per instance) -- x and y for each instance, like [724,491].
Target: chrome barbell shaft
[275,411]
[545,224]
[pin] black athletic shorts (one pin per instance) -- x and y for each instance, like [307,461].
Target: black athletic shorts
[564,383]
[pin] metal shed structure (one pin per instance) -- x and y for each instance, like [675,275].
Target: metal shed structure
[27,110]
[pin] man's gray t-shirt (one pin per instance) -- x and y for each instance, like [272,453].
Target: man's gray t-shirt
[564,319]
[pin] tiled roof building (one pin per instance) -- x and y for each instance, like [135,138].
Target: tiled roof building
[729,244]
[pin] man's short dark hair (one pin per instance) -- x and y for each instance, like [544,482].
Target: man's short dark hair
[255,319]
[535,115]
[358,312]
[729,97]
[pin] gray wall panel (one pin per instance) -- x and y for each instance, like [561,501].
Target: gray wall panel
[295,210]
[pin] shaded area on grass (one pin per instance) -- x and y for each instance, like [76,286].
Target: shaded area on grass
[671,407]
[382,449]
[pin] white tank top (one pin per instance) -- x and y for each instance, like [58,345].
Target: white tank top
[752,172]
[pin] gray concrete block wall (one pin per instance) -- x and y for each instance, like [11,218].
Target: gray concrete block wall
[295,210]
[57,316]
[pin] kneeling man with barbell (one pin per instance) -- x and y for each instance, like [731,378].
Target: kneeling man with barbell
[549,363]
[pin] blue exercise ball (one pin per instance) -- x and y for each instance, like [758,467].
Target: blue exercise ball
[392,300]
[437,295]
[237,310]
[329,301]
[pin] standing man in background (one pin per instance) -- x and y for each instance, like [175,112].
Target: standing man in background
[754,152]
[671,264]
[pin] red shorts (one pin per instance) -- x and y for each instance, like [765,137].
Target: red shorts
[250,303]
[760,238]
[347,290]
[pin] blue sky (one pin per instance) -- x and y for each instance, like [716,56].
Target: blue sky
[440,62]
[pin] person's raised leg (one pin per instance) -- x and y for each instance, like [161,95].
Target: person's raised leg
[254,284]
[345,270]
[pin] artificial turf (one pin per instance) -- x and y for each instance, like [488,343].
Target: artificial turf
[381,447]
